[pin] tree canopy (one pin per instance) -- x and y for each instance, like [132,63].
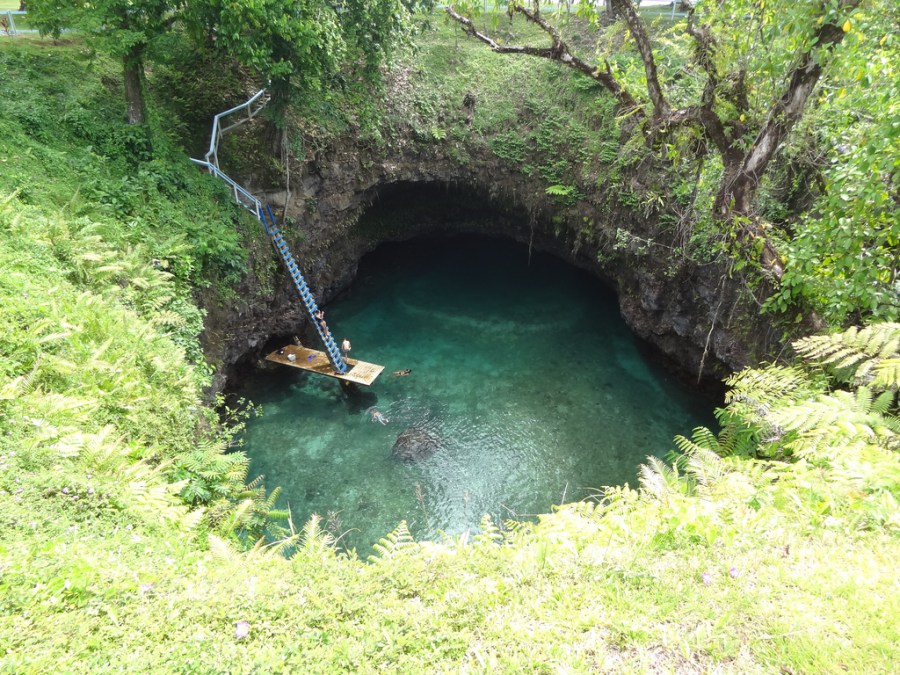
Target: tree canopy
[294,45]
[729,85]
[122,28]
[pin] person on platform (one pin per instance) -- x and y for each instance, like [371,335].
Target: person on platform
[345,348]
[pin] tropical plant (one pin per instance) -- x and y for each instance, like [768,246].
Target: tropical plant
[752,132]
[301,47]
[394,544]
[869,356]
[122,28]
[785,412]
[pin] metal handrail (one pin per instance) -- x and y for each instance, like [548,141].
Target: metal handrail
[11,22]
[241,194]
[212,156]
[211,159]
[243,197]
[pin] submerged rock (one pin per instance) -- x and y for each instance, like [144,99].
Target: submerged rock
[415,444]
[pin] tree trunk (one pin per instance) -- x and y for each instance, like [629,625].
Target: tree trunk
[734,205]
[134,85]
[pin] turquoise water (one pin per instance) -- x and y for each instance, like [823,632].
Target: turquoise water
[527,376]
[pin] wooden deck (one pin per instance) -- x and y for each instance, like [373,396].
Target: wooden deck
[317,362]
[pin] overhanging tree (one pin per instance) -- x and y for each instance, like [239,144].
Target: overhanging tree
[124,28]
[301,46]
[755,66]
[296,45]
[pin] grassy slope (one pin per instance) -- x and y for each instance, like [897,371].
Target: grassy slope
[102,570]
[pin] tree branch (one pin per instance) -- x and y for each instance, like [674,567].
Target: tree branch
[642,41]
[704,117]
[705,44]
[789,108]
[558,51]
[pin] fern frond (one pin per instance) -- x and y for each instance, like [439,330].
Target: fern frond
[587,509]
[659,480]
[256,482]
[855,356]
[737,441]
[192,519]
[706,467]
[394,544]
[314,538]
[759,390]
[864,398]
[237,516]
[168,318]
[489,532]
[220,548]
[887,374]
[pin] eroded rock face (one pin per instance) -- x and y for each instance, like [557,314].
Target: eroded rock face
[415,444]
[694,314]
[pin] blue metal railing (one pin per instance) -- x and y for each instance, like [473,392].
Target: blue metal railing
[243,197]
[331,348]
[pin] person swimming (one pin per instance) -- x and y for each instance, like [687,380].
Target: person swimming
[402,373]
[376,416]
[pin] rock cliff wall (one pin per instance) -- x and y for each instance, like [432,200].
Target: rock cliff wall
[352,196]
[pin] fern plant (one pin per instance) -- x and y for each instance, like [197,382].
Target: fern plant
[393,545]
[869,356]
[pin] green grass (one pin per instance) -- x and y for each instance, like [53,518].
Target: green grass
[747,567]
[66,148]
[9,4]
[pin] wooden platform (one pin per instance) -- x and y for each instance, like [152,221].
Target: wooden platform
[317,362]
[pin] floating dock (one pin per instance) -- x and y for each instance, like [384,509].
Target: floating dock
[314,361]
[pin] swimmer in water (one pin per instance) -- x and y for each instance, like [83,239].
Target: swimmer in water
[376,416]
[402,373]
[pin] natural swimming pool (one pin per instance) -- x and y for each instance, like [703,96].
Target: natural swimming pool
[525,374]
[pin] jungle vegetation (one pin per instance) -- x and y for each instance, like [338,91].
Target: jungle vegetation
[721,91]
[133,538]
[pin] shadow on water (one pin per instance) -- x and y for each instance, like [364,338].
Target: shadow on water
[525,377]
